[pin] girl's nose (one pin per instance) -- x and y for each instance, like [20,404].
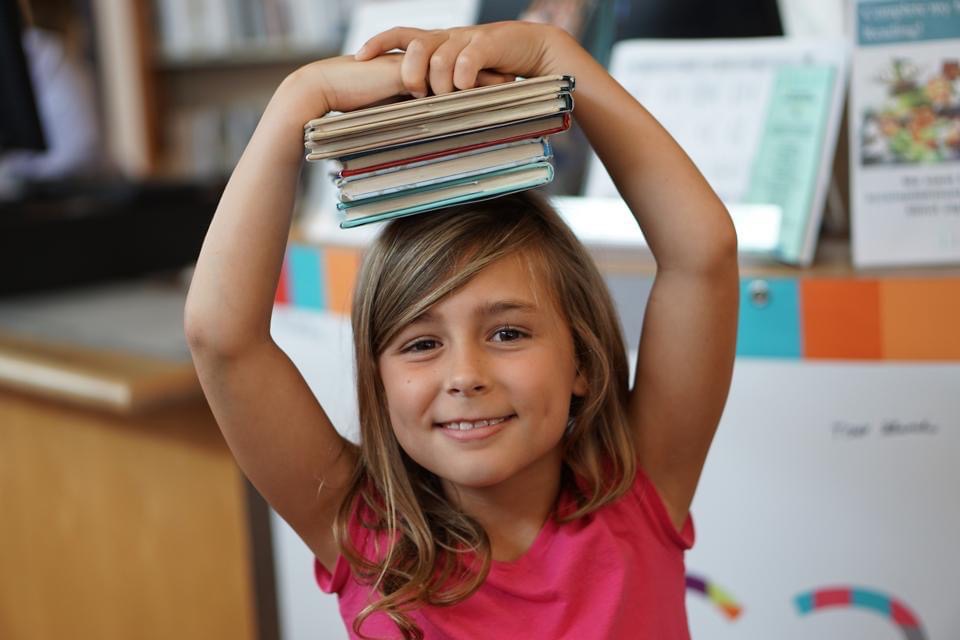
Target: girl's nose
[466,376]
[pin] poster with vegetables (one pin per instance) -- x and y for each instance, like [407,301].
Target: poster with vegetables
[905,132]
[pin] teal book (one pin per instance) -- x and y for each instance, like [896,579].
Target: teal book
[430,198]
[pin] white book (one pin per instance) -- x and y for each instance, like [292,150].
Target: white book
[414,131]
[215,27]
[443,171]
[175,29]
[416,201]
[759,117]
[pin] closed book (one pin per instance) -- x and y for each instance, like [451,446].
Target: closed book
[436,107]
[472,164]
[419,131]
[461,191]
[450,146]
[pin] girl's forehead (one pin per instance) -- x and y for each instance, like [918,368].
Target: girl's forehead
[517,281]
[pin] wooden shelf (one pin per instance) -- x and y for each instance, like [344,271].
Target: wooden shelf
[240,59]
[113,381]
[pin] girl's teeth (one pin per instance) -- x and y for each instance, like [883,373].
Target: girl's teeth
[467,426]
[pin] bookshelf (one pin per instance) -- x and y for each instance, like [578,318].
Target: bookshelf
[184,83]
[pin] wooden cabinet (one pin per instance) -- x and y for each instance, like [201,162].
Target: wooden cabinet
[123,513]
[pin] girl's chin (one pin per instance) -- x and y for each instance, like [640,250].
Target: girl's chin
[486,477]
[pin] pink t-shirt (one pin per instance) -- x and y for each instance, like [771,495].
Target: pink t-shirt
[617,573]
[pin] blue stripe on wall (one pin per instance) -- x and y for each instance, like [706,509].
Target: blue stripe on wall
[769,318]
[306,278]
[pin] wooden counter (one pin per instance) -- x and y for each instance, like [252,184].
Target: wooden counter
[123,513]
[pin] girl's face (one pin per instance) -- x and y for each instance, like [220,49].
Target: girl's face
[496,356]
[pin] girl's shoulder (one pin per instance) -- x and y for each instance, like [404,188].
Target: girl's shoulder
[364,537]
[641,508]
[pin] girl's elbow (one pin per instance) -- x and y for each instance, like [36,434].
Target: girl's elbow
[206,337]
[197,332]
[717,248]
[727,243]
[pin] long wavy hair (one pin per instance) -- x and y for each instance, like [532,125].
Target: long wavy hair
[429,552]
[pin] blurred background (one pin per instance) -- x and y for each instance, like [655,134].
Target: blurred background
[122,514]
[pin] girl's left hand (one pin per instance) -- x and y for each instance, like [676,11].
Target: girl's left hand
[443,60]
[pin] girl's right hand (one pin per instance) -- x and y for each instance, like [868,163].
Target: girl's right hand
[444,60]
[344,84]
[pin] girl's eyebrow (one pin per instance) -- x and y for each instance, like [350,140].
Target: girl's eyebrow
[501,306]
[485,310]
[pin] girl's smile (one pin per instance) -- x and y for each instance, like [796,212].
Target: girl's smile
[465,430]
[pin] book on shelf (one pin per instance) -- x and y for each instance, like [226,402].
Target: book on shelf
[190,31]
[468,165]
[905,133]
[759,117]
[428,153]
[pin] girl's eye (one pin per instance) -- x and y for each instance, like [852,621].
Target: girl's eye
[420,346]
[508,334]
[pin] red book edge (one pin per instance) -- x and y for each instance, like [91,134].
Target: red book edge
[446,152]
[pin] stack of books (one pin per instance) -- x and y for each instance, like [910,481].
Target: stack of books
[424,154]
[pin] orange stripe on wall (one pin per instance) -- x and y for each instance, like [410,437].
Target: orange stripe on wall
[921,319]
[282,295]
[840,319]
[342,267]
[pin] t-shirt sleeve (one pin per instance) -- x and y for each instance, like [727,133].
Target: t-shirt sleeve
[656,510]
[334,581]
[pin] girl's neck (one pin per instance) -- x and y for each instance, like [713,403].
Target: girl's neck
[513,511]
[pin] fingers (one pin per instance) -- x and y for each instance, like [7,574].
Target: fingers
[442,63]
[416,64]
[469,65]
[441,60]
[396,38]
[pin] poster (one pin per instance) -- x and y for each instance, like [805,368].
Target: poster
[905,133]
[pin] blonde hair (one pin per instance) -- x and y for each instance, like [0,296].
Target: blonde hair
[434,553]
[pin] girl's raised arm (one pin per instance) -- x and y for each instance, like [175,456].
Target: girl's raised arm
[279,434]
[687,348]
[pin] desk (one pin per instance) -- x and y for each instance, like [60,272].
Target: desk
[123,513]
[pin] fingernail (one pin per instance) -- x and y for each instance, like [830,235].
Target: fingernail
[418,94]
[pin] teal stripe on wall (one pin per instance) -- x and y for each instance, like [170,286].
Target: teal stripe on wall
[306,280]
[769,319]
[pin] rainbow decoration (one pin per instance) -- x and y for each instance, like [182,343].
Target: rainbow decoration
[805,317]
[858,598]
[720,598]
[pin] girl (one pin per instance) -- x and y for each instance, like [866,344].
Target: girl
[508,484]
